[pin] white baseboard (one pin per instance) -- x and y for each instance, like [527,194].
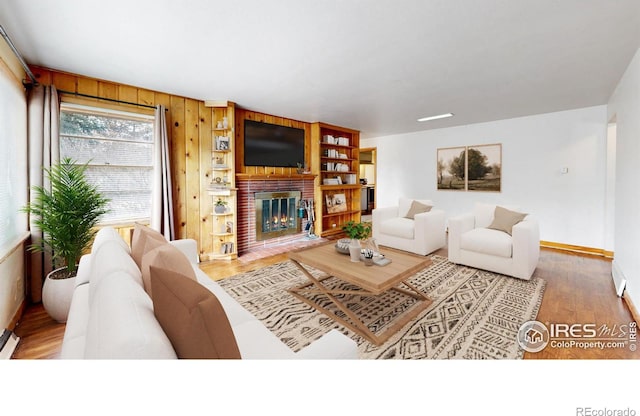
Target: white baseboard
[9,346]
[618,278]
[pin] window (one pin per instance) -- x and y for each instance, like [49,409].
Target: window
[118,146]
[13,159]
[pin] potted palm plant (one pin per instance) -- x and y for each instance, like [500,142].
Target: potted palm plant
[67,214]
[356,231]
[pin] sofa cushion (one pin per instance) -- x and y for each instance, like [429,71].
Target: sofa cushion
[404,204]
[235,312]
[122,324]
[141,244]
[164,256]
[398,227]
[109,258]
[504,219]
[487,241]
[108,234]
[484,213]
[256,341]
[191,316]
[75,329]
[417,208]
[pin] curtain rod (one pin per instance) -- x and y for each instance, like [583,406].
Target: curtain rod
[17,54]
[113,100]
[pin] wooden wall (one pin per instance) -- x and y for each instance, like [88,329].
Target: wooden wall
[188,125]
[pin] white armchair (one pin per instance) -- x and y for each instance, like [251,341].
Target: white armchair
[423,234]
[472,244]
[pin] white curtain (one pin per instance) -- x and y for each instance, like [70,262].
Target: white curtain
[161,195]
[43,111]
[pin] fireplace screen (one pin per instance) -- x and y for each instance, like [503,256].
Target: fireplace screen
[276,214]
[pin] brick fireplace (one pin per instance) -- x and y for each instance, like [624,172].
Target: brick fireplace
[276,214]
[277,191]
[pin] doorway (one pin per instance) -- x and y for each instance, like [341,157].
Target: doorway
[368,181]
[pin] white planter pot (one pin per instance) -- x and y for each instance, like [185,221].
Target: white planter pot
[56,296]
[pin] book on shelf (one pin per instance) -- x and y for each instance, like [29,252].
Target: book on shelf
[226,248]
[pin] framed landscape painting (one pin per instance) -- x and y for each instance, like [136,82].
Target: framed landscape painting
[484,167]
[470,168]
[452,168]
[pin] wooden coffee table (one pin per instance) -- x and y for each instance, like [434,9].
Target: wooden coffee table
[371,281]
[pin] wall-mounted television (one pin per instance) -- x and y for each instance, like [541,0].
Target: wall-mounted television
[272,145]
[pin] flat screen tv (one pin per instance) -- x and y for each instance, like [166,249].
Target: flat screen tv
[272,145]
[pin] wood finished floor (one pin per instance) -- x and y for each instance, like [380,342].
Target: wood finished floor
[579,290]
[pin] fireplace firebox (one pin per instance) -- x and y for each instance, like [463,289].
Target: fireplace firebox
[276,214]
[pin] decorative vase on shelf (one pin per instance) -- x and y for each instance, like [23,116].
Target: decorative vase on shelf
[354,250]
[225,123]
[220,207]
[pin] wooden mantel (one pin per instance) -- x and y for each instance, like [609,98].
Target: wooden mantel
[274,177]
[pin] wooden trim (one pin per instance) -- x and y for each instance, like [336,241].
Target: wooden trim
[577,249]
[631,306]
[17,316]
[10,63]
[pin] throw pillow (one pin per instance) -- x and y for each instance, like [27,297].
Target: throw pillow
[167,257]
[504,219]
[417,208]
[192,317]
[141,237]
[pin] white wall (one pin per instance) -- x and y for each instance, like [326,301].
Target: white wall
[570,207]
[624,105]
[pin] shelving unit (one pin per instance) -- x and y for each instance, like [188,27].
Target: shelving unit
[221,187]
[335,154]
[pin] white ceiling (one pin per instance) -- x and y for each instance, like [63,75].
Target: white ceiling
[375,66]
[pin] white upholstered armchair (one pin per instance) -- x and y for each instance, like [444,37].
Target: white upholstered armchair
[472,243]
[407,227]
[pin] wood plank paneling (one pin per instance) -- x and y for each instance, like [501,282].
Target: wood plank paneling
[87,86]
[64,81]
[127,93]
[147,97]
[192,169]
[179,164]
[108,90]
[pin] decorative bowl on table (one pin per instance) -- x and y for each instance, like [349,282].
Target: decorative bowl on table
[342,245]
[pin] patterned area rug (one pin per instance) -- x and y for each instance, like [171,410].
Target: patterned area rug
[474,315]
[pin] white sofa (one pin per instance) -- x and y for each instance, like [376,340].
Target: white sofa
[423,234]
[472,244]
[112,317]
